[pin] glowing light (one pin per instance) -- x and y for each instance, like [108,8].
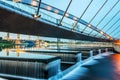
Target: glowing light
[117,42]
[74,18]
[49,8]
[56,11]
[18,50]
[101,32]
[89,25]
[107,36]
[66,14]
[34,3]
[16,0]
[116,64]
[35,16]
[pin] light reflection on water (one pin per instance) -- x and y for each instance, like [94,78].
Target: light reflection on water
[20,51]
[116,64]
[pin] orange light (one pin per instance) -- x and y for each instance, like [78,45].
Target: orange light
[16,0]
[117,42]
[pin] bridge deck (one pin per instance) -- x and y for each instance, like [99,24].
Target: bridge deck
[105,68]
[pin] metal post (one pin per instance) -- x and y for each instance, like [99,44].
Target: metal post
[38,8]
[91,54]
[99,51]
[79,57]
[106,49]
[65,13]
[82,15]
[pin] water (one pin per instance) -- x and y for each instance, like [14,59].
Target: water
[106,68]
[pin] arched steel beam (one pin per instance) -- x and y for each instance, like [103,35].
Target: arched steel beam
[60,12]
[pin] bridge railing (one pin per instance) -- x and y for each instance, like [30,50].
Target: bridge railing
[91,55]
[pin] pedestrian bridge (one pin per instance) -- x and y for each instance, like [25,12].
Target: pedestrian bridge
[93,21]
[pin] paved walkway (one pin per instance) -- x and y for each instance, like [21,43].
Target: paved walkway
[104,68]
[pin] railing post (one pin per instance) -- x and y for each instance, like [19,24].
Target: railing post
[91,54]
[79,57]
[106,49]
[99,51]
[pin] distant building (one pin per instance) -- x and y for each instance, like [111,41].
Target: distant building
[0,38]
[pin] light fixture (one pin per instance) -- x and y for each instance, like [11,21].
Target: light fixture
[16,0]
[89,25]
[34,3]
[75,18]
[108,37]
[56,11]
[101,32]
[49,8]
[66,15]
[35,16]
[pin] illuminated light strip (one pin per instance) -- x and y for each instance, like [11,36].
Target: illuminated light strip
[70,16]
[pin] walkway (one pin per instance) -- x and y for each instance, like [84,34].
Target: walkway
[104,68]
